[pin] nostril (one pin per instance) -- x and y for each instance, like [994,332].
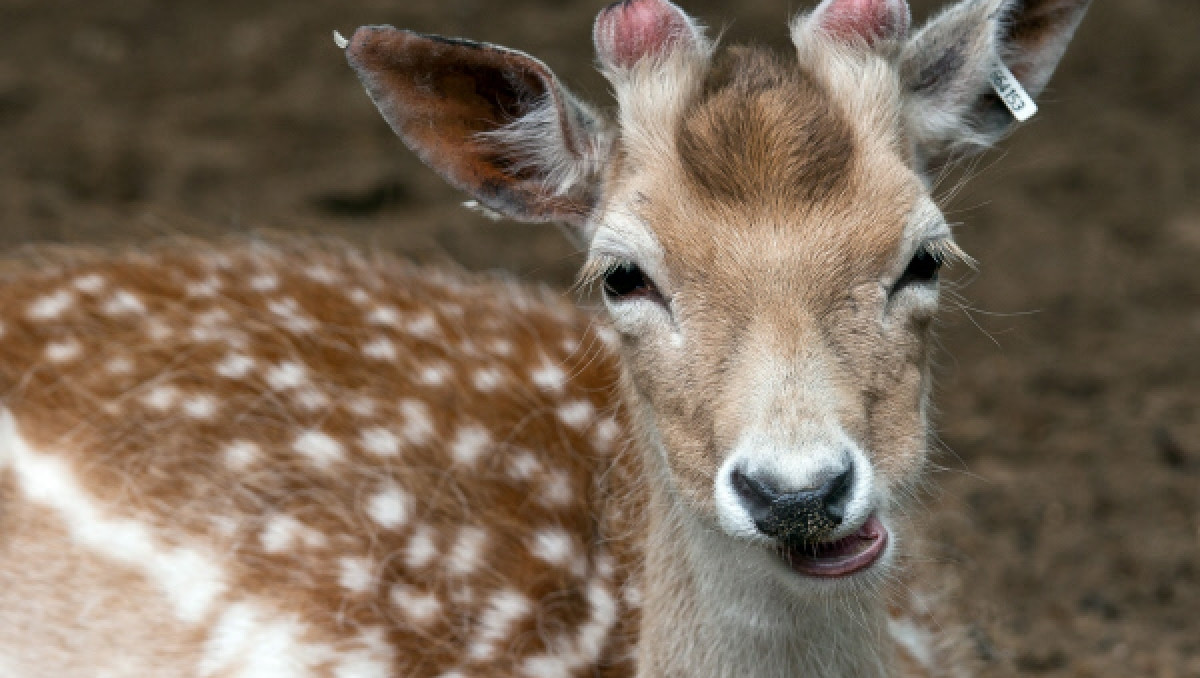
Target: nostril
[835,495]
[756,495]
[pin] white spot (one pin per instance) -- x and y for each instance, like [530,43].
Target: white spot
[384,315]
[245,643]
[918,642]
[549,377]
[390,507]
[469,444]
[467,551]
[51,306]
[191,581]
[291,315]
[124,302]
[488,379]
[418,422]
[553,545]
[282,533]
[609,336]
[119,365]
[359,296]
[500,347]
[424,325]
[235,366]
[420,608]
[206,288]
[435,375]
[523,465]
[311,399]
[632,595]
[380,442]
[503,610]
[90,283]
[605,433]
[288,375]
[200,406]
[341,42]
[240,454]
[356,574]
[319,447]
[546,666]
[161,398]
[421,549]
[264,282]
[557,490]
[63,351]
[577,414]
[381,348]
[362,406]
[321,273]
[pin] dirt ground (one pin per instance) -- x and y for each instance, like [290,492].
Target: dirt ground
[1069,380]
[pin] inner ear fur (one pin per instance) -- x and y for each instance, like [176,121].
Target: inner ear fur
[493,121]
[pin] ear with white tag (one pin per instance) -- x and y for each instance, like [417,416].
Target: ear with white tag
[974,70]
[494,122]
[638,31]
[862,21]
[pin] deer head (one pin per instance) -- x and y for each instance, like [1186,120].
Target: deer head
[762,226]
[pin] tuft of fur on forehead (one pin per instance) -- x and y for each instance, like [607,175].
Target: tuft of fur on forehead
[764,131]
[752,126]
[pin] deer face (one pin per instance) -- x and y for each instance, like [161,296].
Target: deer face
[761,227]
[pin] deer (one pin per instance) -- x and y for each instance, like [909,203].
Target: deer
[259,458]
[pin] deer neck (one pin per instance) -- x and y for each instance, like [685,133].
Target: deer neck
[714,608]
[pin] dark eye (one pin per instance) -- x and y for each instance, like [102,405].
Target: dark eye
[626,281]
[923,269]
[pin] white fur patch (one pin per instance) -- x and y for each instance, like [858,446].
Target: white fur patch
[190,580]
[503,610]
[380,442]
[467,552]
[418,422]
[321,449]
[549,377]
[63,351]
[356,574]
[235,366]
[469,444]
[51,306]
[391,507]
[421,549]
[420,608]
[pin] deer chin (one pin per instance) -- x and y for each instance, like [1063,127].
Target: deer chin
[839,558]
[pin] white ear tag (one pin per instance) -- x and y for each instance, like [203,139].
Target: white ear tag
[1010,91]
[339,40]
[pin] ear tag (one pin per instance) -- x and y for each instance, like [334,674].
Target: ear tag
[1010,91]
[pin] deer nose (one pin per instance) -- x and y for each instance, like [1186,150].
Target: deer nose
[795,517]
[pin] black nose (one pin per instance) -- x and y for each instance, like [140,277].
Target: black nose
[795,517]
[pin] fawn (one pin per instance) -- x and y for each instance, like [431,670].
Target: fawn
[268,460]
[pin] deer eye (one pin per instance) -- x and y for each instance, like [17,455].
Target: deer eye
[627,281]
[923,269]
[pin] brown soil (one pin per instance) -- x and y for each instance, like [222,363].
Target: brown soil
[1070,499]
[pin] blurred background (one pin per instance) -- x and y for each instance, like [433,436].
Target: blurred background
[1068,506]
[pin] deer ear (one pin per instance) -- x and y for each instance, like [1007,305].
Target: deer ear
[951,69]
[493,121]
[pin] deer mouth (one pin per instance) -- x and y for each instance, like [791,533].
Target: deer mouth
[840,558]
